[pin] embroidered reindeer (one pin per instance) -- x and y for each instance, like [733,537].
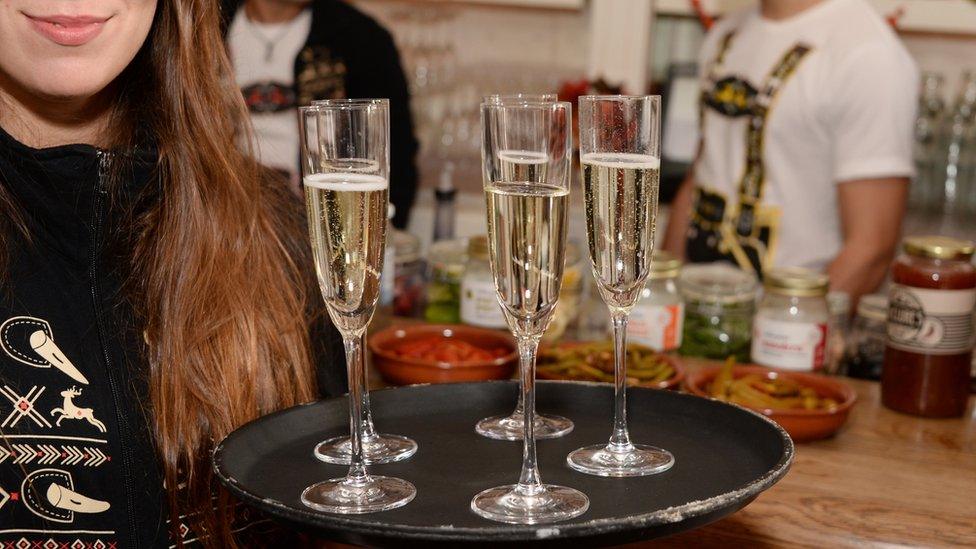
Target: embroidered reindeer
[68,410]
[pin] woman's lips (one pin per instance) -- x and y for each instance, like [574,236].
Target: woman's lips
[68,30]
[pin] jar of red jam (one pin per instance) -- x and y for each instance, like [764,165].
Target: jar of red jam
[930,328]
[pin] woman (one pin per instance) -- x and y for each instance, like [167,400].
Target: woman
[154,294]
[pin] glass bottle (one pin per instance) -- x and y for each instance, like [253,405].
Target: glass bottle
[444,214]
[790,328]
[409,275]
[931,109]
[446,260]
[958,171]
[865,354]
[930,328]
[658,318]
[720,300]
[838,329]
[479,300]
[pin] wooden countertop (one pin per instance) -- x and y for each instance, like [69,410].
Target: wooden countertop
[885,479]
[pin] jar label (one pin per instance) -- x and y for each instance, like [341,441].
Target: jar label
[479,304]
[657,326]
[929,321]
[789,345]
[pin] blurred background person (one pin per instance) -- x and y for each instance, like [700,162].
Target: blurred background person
[805,159]
[288,53]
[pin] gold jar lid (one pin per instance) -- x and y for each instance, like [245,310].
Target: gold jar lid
[938,247]
[664,265]
[795,281]
[478,246]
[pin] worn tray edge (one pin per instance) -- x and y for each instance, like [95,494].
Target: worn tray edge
[509,532]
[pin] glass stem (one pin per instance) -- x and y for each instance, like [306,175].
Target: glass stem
[520,405]
[530,483]
[355,365]
[620,439]
[369,432]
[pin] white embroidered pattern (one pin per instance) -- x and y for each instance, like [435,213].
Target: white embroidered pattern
[23,407]
[70,411]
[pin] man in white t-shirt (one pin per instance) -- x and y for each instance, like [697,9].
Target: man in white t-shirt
[806,152]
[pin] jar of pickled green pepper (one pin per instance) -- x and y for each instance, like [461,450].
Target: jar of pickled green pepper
[720,301]
[447,260]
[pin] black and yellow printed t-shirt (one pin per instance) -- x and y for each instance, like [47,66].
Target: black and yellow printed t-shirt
[830,96]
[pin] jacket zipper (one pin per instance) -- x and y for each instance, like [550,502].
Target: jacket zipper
[98,214]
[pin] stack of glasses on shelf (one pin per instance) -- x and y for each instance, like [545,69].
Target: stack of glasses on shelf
[945,154]
[527,159]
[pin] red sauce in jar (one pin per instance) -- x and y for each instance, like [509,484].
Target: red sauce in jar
[930,328]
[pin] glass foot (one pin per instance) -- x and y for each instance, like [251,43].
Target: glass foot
[376,449]
[510,427]
[636,461]
[339,495]
[552,504]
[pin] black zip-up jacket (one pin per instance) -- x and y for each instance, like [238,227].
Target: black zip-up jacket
[76,456]
[349,55]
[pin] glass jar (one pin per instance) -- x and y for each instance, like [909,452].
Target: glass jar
[408,275]
[865,353]
[790,329]
[570,294]
[838,329]
[930,328]
[479,300]
[719,303]
[447,260]
[659,316]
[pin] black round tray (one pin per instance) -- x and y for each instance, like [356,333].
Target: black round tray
[725,456]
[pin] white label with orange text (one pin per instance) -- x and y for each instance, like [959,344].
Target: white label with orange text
[788,345]
[657,326]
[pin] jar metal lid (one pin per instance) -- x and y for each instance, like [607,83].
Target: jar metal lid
[478,246]
[939,247]
[796,281]
[664,265]
[717,283]
[874,307]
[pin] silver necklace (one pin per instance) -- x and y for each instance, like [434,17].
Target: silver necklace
[269,43]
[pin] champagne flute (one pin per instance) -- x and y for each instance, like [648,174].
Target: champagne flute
[526,242]
[345,153]
[620,158]
[510,427]
[377,448]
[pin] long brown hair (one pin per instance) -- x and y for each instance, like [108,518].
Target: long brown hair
[217,261]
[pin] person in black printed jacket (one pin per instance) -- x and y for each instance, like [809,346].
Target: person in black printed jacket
[154,293]
[288,53]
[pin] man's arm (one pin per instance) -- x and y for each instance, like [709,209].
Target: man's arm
[679,215]
[871,212]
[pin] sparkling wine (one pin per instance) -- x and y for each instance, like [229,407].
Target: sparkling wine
[523,165]
[620,196]
[526,236]
[347,224]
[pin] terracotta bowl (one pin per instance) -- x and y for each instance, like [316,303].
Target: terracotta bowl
[802,425]
[674,382]
[407,371]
